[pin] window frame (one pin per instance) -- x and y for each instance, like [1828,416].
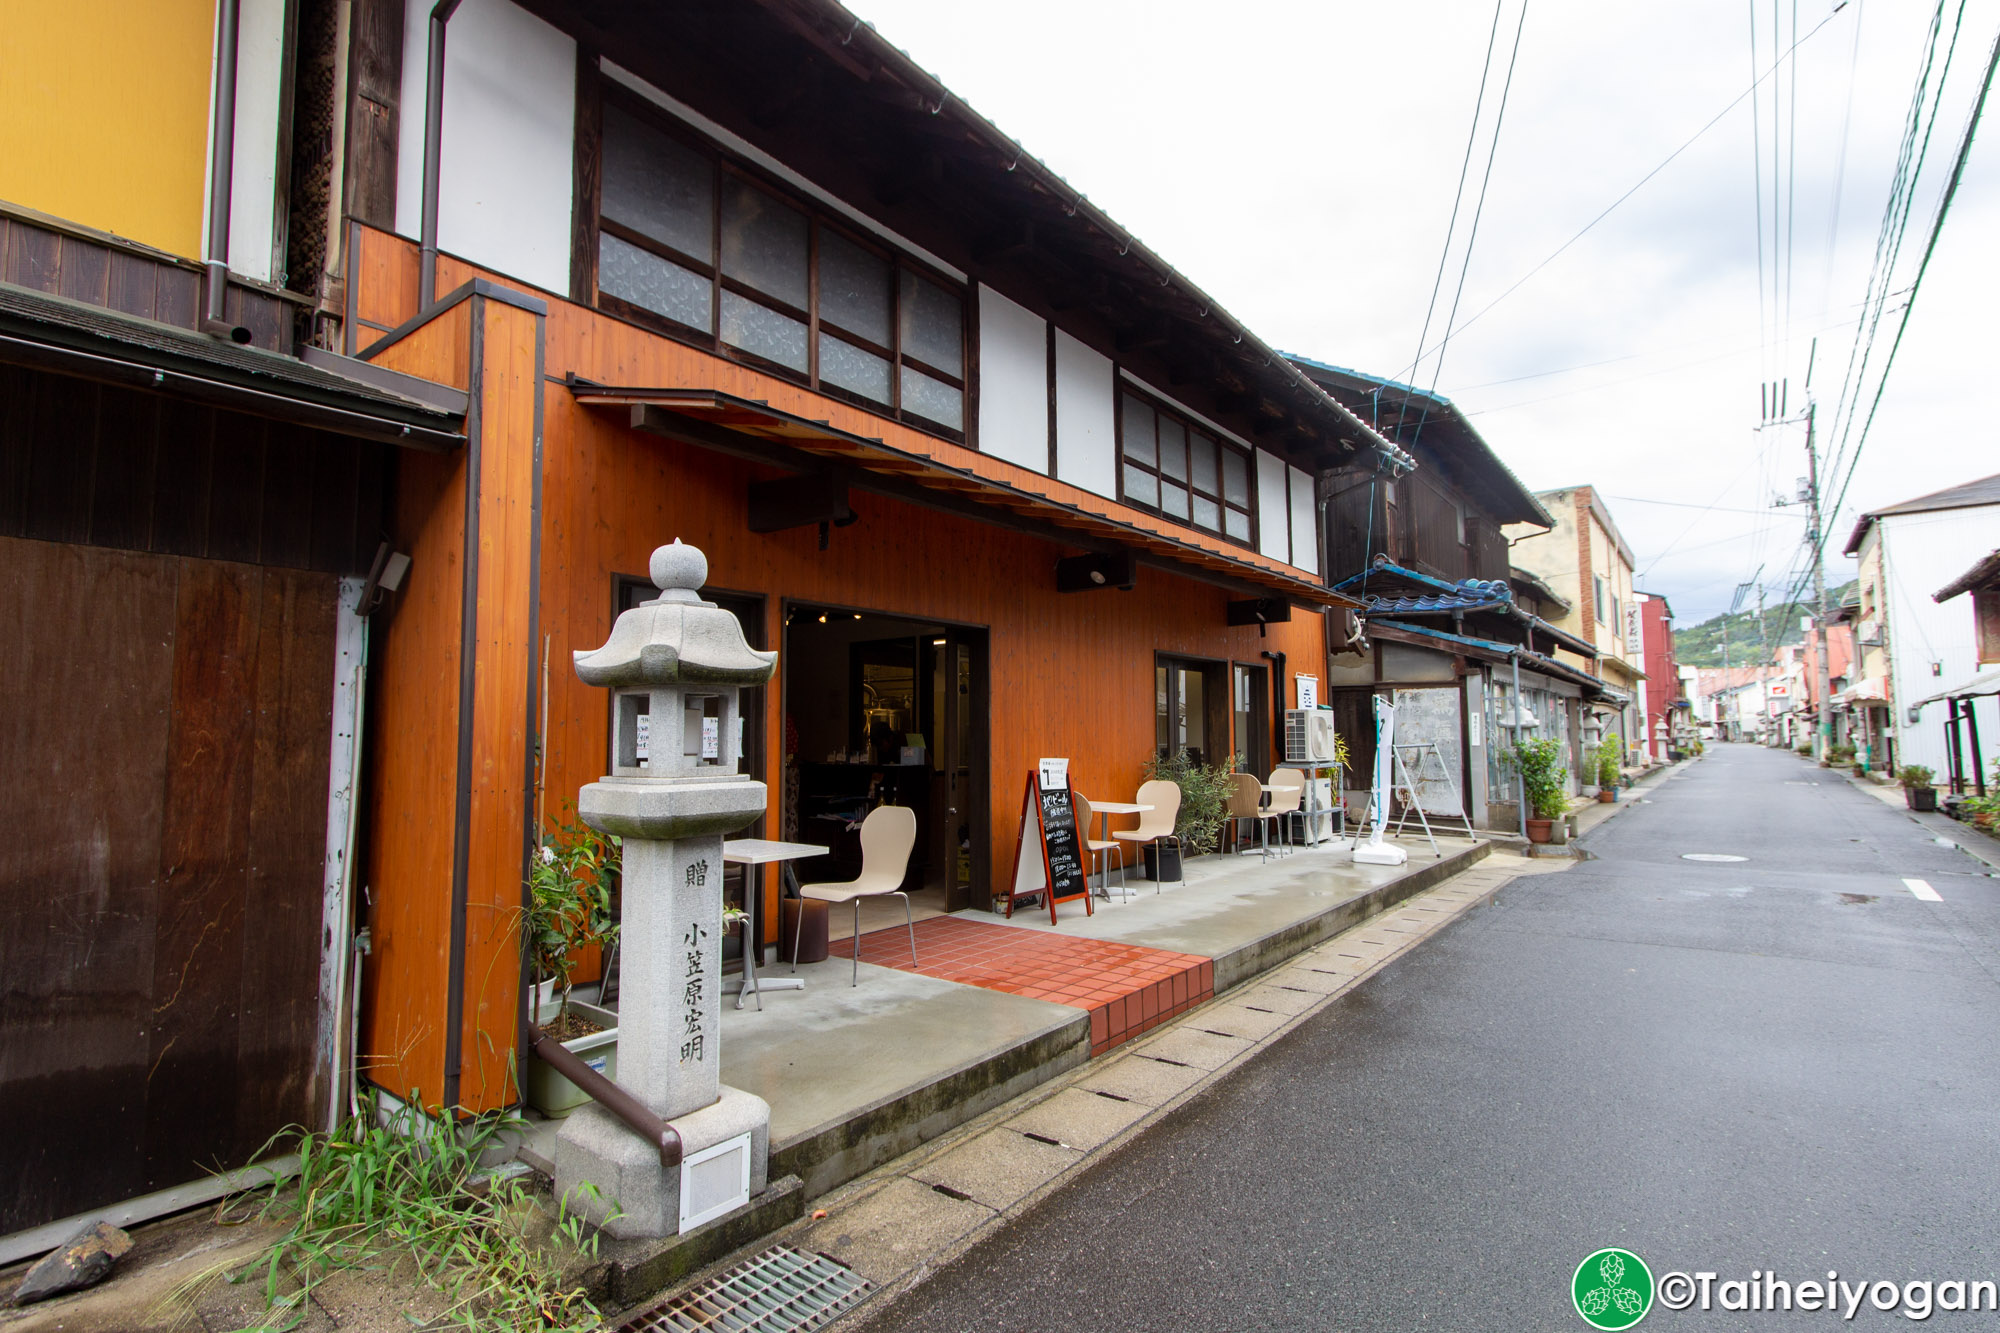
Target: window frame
[592,225]
[1190,426]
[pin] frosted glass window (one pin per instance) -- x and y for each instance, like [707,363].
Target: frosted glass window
[933,325]
[764,243]
[855,289]
[1174,501]
[1139,443]
[1236,524]
[1173,449]
[763,332]
[1201,452]
[1207,514]
[1235,478]
[932,399]
[846,366]
[658,186]
[659,285]
[1141,488]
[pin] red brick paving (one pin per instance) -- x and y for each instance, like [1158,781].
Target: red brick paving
[1128,988]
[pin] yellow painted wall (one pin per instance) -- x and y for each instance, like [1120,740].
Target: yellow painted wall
[104,114]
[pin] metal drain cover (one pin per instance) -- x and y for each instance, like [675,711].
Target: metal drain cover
[1711,856]
[780,1290]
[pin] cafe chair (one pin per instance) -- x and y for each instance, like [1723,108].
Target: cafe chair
[887,835]
[1156,825]
[1287,794]
[1098,849]
[1246,801]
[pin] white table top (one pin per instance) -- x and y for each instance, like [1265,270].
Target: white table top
[762,851]
[1117,807]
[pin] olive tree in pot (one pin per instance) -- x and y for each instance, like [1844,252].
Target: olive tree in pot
[569,907]
[1918,791]
[1540,764]
[1204,808]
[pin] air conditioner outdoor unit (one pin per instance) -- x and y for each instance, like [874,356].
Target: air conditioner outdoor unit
[1308,736]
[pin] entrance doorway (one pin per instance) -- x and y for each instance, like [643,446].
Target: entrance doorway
[1190,709]
[1252,700]
[887,710]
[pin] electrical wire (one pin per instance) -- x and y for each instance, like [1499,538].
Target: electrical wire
[1612,207]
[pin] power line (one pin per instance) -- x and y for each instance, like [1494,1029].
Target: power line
[1614,204]
[1458,197]
[1930,249]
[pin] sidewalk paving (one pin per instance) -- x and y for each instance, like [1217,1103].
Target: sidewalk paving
[915,1213]
[907,1066]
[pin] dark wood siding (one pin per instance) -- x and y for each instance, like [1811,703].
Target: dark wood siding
[164,741]
[105,466]
[132,282]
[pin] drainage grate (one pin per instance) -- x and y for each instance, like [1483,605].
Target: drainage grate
[780,1290]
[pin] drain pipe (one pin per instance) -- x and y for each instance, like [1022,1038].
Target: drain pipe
[635,1113]
[221,165]
[1277,661]
[1520,778]
[427,253]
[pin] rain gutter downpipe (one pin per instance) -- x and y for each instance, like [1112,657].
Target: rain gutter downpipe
[221,166]
[427,254]
[1520,778]
[635,1113]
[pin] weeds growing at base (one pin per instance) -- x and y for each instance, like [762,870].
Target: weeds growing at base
[407,1186]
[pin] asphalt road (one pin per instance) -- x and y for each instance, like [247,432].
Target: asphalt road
[1784,1063]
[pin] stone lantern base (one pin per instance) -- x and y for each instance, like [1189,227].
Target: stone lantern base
[635,1196]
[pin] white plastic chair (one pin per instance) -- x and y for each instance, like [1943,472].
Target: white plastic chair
[1289,791]
[1098,849]
[887,835]
[1156,825]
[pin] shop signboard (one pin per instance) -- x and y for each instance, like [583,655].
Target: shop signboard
[1048,856]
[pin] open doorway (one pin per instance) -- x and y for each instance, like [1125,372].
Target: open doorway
[886,710]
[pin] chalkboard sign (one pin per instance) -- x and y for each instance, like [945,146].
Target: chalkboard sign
[1049,855]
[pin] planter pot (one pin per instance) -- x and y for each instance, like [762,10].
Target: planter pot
[1163,863]
[555,1096]
[1541,830]
[1607,795]
[1920,798]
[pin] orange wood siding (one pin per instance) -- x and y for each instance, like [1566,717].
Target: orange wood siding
[1069,674]
[500,814]
[413,749]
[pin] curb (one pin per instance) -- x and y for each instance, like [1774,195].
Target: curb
[898,1224]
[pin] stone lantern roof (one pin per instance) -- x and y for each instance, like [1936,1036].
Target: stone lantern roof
[677,639]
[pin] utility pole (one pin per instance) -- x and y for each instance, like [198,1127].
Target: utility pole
[1823,732]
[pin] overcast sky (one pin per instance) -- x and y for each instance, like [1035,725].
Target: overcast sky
[1298,161]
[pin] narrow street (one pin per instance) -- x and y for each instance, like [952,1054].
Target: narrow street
[1783,1063]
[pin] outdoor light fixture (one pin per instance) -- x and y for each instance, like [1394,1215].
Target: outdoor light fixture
[822,617]
[1086,573]
[937,643]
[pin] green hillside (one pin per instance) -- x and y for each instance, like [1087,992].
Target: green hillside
[1701,645]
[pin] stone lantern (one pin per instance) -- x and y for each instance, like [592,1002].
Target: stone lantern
[675,666]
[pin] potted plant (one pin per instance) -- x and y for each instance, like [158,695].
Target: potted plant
[569,907]
[1540,765]
[1918,791]
[1608,771]
[1204,810]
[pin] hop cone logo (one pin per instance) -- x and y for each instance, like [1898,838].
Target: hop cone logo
[1612,1289]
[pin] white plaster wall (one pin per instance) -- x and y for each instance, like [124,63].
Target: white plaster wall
[505,185]
[1274,529]
[253,172]
[1013,375]
[1920,554]
[1305,546]
[1086,418]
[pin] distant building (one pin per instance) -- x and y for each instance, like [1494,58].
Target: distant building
[1585,560]
[1660,697]
[1912,646]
